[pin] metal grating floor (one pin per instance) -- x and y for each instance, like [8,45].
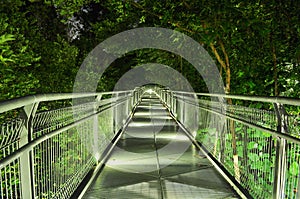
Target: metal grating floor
[156,160]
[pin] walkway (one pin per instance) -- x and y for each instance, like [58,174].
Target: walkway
[154,159]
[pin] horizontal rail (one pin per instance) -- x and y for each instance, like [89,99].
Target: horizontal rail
[42,141]
[281,100]
[258,147]
[8,105]
[238,188]
[5,161]
[271,131]
[108,153]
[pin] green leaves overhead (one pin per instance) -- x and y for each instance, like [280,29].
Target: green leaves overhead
[6,53]
[255,44]
[16,56]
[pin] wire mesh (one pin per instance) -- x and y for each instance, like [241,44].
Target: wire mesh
[256,159]
[264,118]
[61,161]
[247,153]
[293,121]
[9,143]
[121,113]
[105,126]
[292,183]
[48,121]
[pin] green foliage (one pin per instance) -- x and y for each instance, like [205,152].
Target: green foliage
[38,54]
[67,8]
[34,36]
[16,56]
[60,57]
[294,169]
[256,153]
[6,53]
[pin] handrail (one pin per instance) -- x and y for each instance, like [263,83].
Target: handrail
[11,104]
[271,99]
[273,132]
[236,145]
[39,135]
[35,142]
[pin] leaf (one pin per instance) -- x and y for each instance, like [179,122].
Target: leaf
[294,169]
[4,60]
[253,157]
[252,145]
[5,38]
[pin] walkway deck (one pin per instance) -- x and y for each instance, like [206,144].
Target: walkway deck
[155,159]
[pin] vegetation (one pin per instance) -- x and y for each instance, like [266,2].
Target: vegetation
[255,44]
[256,150]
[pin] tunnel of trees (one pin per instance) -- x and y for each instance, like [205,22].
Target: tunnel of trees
[255,45]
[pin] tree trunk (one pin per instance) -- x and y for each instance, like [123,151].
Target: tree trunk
[226,66]
[276,93]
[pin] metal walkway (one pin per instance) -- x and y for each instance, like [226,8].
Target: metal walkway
[155,159]
[145,142]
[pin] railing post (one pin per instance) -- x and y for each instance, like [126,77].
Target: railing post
[128,102]
[96,129]
[171,101]
[181,104]
[137,96]
[222,126]
[168,98]
[174,105]
[280,161]
[134,97]
[115,116]
[26,159]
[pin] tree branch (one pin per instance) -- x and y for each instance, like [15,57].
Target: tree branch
[176,24]
[187,5]
[222,63]
[224,52]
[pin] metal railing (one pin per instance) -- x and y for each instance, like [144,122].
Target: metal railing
[255,139]
[47,154]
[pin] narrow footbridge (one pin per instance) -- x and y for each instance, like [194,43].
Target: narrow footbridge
[149,142]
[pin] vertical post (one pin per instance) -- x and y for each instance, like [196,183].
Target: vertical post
[183,110]
[137,96]
[167,98]
[134,97]
[128,104]
[280,161]
[125,112]
[26,159]
[222,129]
[177,107]
[171,101]
[131,100]
[181,103]
[96,129]
[115,116]
[174,106]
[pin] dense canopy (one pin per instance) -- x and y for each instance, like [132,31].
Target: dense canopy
[255,44]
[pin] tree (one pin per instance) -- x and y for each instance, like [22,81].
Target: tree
[17,58]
